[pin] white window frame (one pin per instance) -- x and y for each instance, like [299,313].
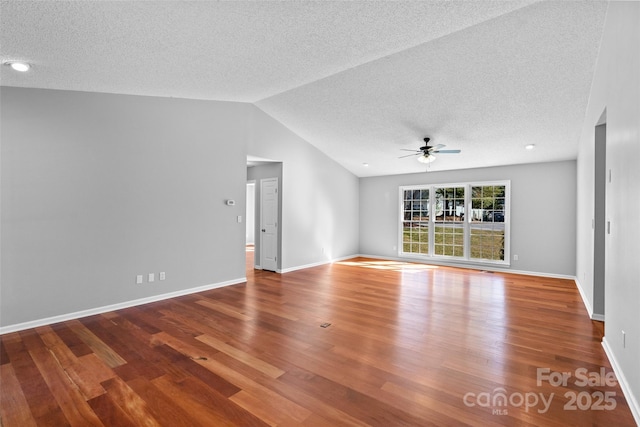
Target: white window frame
[466,258]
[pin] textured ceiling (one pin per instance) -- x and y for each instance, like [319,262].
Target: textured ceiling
[359,80]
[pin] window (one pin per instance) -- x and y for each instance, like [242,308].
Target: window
[466,222]
[449,221]
[487,222]
[415,234]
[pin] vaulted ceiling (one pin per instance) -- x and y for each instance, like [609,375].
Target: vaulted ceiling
[360,80]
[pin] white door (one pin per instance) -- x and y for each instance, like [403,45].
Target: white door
[269,224]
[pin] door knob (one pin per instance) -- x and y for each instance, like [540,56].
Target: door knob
[264,230]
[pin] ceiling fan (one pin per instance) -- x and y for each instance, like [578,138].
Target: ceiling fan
[425,153]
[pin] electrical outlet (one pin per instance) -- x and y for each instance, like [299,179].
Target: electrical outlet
[516,257]
[139,279]
[624,340]
[152,277]
[163,275]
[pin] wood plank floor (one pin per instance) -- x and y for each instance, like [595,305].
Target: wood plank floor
[407,345]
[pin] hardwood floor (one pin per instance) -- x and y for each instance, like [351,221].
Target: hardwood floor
[407,345]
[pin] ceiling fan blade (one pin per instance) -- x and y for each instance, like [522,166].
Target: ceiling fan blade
[409,155]
[406,149]
[447,151]
[437,147]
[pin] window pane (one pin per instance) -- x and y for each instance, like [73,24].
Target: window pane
[449,220]
[487,225]
[416,221]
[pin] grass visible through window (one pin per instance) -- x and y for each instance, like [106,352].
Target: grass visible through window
[485,244]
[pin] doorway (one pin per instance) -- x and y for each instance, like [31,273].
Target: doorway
[268,171]
[600,219]
[250,237]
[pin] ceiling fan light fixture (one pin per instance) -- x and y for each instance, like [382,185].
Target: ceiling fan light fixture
[530,146]
[427,159]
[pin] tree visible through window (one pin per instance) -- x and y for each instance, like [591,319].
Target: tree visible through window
[449,221]
[487,222]
[415,234]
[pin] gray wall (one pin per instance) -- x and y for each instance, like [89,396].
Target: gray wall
[599,220]
[98,188]
[616,88]
[543,211]
[319,197]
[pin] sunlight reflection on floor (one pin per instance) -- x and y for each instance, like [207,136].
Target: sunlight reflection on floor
[389,265]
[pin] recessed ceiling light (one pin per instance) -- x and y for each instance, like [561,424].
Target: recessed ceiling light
[19,66]
[530,146]
[365,164]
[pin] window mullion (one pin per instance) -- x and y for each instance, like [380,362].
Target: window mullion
[432,211]
[465,224]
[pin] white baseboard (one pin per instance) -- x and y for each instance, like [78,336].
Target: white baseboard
[632,401]
[585,300]
[587,303]
[315,264]
[98,310]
